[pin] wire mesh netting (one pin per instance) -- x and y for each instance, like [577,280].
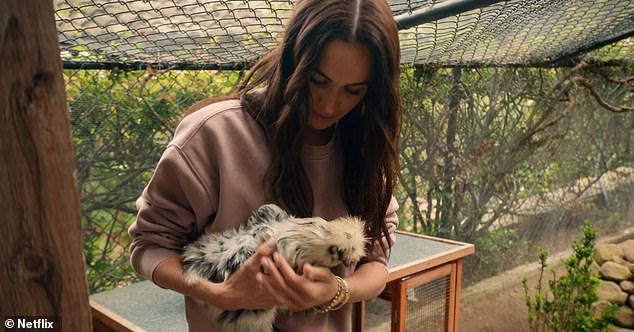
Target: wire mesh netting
[168,32]
[121,122]
[225,34]
[427,306]
[519,32]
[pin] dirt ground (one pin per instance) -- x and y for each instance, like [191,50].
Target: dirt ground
[497,304]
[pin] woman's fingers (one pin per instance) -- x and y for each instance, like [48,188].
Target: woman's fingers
[257,291]
[317,273]
[268,286]
[285,269]
[296,284]
[277,278]
[273,272]
[316,286]
[265,249]
[283,279]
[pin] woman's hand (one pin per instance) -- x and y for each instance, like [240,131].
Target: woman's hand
[316,286]
[243,289]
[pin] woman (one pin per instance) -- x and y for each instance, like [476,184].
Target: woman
[319,138]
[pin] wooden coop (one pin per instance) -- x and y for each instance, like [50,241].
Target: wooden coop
[423,292]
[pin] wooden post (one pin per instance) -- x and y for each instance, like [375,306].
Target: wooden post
[43,270]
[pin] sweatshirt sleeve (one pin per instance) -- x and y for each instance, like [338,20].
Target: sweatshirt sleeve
[170,209]
[391,221]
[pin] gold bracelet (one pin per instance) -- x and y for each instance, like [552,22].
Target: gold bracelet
[322,308]
[345,299]
[342,296]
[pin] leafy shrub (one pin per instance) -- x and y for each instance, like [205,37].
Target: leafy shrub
[567,306]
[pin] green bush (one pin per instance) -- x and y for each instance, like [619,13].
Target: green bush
[567,306]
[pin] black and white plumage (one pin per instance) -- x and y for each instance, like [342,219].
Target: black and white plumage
[215,256]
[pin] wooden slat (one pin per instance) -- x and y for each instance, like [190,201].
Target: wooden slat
[451,300]
[399,308]
[427,276]
[110,321]
[358,323]
[458,288]
[433,238]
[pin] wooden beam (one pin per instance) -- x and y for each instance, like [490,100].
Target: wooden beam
[105,320]
[41,254]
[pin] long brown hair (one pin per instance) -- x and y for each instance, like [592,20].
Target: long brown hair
[369,133]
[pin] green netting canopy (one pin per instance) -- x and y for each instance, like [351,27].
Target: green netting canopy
[184,34]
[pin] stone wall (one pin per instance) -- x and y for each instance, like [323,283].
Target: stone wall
[614,262]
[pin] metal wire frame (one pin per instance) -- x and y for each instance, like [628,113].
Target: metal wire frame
[232,34]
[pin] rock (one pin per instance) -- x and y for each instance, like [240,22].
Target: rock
[605,251]
[615,271]
[610,291]
[623,262]
[594,268]
[628,250]
[599,307]
[613,328]
[619,260]
[630,301]
[624,317]
[627,286]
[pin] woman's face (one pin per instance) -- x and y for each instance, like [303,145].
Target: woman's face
[339,83]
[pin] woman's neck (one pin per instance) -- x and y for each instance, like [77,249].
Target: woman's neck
[318,136]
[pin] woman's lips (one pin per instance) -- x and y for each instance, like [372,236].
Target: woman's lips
[323,117]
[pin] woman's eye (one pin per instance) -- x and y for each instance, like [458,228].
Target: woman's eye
[318,82]
[354,92]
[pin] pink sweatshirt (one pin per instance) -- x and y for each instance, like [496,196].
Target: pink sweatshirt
[209,179]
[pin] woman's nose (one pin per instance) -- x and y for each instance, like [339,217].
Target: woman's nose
[329,104]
